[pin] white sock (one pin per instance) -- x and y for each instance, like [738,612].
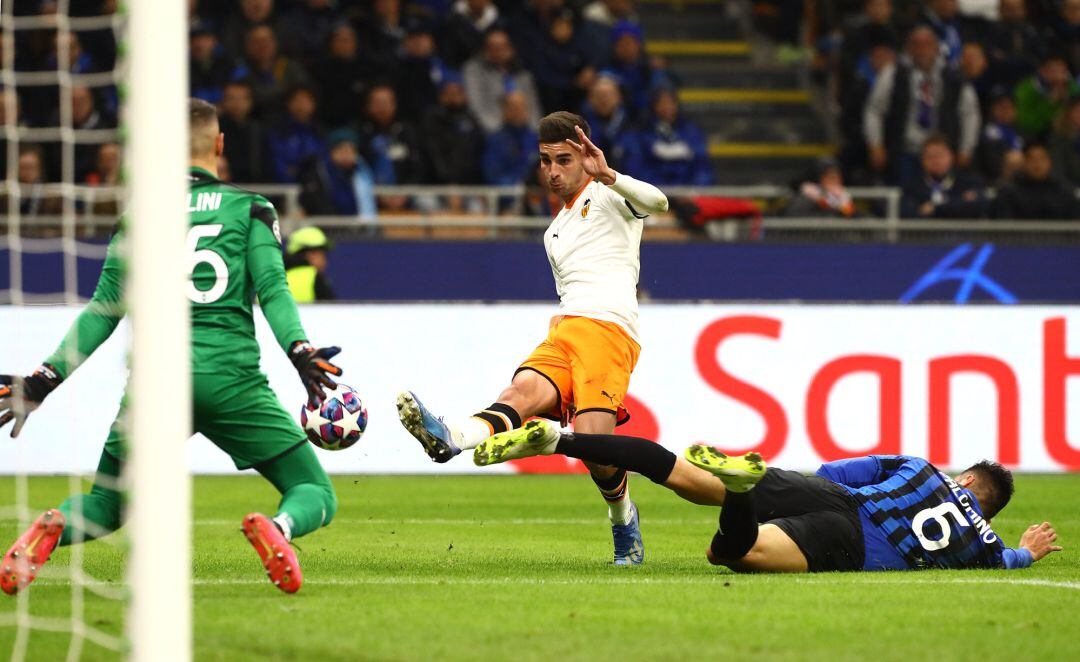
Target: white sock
[284,522]
[469,433]
[621,511]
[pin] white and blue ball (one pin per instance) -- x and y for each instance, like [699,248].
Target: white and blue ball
[338,423]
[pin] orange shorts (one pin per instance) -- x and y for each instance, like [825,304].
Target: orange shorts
[589,363]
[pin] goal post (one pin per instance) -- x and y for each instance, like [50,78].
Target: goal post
[156,94]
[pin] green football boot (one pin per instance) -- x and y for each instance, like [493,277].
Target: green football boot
[739,474]
[537,437]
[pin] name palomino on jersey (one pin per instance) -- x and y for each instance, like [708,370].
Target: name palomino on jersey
[981,526]
[207,201]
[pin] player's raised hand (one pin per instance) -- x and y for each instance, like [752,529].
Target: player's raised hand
[1039,540]
[592,158]
[315,369]
[21,395]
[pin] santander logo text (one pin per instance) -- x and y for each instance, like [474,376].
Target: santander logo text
[937,373]
[802,384]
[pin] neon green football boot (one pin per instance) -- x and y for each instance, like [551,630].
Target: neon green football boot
[537,437]
[739,474]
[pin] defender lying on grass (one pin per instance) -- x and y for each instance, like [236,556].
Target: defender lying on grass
[870,513]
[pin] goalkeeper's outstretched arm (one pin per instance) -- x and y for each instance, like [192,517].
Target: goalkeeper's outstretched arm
[267,271]
[21,395]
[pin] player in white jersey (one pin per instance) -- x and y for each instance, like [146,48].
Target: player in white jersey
[581,371]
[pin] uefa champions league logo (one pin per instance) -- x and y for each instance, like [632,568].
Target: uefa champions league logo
[969,277]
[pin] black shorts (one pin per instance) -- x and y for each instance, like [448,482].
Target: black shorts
[820,516]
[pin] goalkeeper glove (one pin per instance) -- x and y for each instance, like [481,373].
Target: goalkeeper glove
[314,367]
[21,395]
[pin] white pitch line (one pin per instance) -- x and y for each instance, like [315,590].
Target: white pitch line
[894,579]
[904,579]
[527,581]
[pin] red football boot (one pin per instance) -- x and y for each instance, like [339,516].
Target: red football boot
[277,555]
[33,548]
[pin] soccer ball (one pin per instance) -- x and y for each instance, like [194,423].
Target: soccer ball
[338,423]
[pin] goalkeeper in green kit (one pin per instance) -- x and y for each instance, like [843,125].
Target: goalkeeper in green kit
[236,248]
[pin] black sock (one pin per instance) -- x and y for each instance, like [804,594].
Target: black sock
[613,487]
[738,527]
[500,417]
[629,453]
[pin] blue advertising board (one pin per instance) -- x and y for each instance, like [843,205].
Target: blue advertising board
[519,271]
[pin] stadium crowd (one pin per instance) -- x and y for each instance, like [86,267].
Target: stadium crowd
[972,106]
[343,95]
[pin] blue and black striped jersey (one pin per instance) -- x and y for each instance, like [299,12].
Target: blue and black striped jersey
[927,519]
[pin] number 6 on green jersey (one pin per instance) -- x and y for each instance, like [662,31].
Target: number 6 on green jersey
[221,270]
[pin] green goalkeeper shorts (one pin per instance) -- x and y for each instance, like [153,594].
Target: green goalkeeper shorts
[240,414]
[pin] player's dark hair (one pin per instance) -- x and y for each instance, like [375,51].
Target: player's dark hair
[32,148]
[496,29]
[559,126]
[937,139]
[1032,145]
[380,84]
[1054,55]
[998,482]
[301,89]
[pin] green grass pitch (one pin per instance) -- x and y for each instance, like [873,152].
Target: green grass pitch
[494,567]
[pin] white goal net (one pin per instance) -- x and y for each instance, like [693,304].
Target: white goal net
[92,103]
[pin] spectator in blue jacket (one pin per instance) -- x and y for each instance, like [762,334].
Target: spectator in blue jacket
[78,60]
[297,138]
[1000,146]
[337,181]
[510,152]
[673,148]
[209,67]
[267,72]
[612,130]
[387,138]
[559,63]
[638,76]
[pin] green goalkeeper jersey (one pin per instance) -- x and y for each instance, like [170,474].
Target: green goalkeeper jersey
[235,245]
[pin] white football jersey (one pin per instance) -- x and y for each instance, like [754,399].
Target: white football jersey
[594,246]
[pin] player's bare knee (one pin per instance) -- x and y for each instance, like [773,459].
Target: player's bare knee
[712,557]
[520,397]
[735,565]
[511,395]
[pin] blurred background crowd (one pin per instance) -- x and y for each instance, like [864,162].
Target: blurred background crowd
[948,97]
[340,96]
[972,107]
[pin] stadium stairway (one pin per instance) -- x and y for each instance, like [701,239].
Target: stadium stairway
[757,115]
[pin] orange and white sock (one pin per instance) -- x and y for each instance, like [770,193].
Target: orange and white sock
[493,420]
